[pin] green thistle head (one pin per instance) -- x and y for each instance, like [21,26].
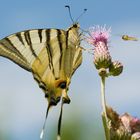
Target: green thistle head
[115,68]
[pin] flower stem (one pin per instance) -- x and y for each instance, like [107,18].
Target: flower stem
[103,95]
[104,115]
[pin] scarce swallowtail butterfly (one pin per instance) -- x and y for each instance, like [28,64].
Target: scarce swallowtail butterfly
[51,55]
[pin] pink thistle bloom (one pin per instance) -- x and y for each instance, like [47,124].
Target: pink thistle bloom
[99,34]
[99,38]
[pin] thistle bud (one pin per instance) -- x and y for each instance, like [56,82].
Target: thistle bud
[102,58]
[99,38]
[115,68]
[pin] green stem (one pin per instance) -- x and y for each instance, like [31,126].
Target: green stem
[103,95]
[104,115]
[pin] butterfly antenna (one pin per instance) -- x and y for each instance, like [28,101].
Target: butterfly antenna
[67,6]
[43,129]
[81,15]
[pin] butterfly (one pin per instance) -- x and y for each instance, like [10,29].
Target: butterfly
[51,55]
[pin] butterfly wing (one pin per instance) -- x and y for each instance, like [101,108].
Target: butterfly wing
[12,48]
[73,55]
[52,55]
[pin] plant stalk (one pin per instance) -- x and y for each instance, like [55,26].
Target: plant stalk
[103,99]
[104,115]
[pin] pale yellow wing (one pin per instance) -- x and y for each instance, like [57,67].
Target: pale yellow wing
[52,55]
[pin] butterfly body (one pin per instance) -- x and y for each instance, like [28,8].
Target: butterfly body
[52,55]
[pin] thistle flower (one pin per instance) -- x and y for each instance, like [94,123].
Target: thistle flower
[113,126]
[122,127]
[98,33]
[115,68]
[99,38]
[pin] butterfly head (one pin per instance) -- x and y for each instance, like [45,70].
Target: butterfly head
[75,26]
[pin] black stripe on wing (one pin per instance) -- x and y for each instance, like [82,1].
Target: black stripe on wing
[7,43]
[40,34]
[67,37]
[20,38]
[14,55]
[49,49]
[29,42]
[60,42]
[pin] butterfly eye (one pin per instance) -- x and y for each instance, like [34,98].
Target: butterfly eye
[75,25]
[62,85]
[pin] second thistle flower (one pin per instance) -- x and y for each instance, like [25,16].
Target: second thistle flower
[99,37]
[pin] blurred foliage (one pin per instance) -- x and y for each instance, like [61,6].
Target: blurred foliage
[4,136]
[77,130]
